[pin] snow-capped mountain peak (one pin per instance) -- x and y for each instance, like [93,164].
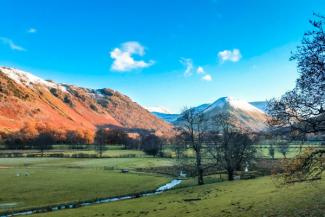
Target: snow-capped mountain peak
[232,102]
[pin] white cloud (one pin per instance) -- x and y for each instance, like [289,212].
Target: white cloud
[200,70]
[32,30]
[124,60]
[188,63]
[11,44]
[228,55]
[207,77]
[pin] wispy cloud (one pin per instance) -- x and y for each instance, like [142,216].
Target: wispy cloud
[207,77]
[228,55]
[11,44]
[32,30]
[190,68]
[124,60]
[200,70]
[188,63]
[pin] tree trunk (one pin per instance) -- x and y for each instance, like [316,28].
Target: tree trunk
[230,174]
[200,180]
[42,151]
[101,152]
[199,169]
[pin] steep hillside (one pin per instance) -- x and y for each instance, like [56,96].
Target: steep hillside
[27,98]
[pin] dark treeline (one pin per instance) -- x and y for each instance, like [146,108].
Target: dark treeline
[148,142]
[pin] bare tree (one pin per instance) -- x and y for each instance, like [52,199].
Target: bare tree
[117,137]
[44,141]
[75,138]
[152,145]
[302,109]
[100,141]
[192,131]
[179,146]
[283,148]
[271,150]
[232,146]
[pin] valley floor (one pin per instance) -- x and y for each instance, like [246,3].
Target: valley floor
[258,197]
[39,182]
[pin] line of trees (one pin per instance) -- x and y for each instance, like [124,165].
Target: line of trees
[43,137]
[40,136]
[148,142]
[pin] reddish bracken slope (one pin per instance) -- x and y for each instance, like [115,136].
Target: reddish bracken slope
[27,98]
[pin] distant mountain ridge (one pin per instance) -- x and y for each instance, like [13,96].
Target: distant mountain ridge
[170,118]
[200,108]
[25,97]
[249,115]
[262,105]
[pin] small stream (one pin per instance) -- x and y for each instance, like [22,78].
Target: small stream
[73,205]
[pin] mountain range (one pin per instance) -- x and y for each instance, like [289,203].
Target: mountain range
[25,97]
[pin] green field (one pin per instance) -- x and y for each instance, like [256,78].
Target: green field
[35,182]
[111,153]
[257,197]
[293,150]
[117,163]
[38,182]
[262,150]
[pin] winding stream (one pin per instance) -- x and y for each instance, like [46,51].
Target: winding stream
[73,205]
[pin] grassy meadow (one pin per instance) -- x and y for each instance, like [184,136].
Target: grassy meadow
[256,197]
[42,181]
[35,182]
[111,151]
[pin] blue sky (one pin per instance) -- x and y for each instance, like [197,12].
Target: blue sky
[160,53]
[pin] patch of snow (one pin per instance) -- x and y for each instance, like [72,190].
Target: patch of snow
[63,87]
[28,79]
[99,93]
[160,109]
